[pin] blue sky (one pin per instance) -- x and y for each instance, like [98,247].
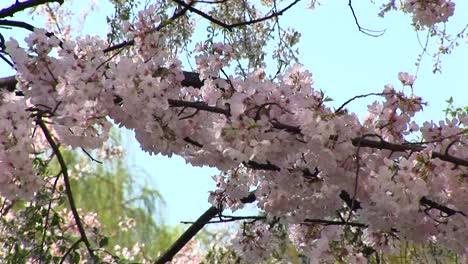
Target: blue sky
[344,63]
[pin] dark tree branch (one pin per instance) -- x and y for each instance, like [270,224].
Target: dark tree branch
[369,32]
[14,23]
[233,218]
[194,229]
[69,250]
[231,26]
[20,6]
[381,144]
[429,205]
[66,179]
[261,166]
[200,106]
[188,235]
[334,222]
[353,204]
[339,109]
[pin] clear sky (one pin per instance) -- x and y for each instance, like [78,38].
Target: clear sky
[344,63]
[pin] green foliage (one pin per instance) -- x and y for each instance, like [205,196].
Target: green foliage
[123,11]
[128,213]
[452,111]
[125,206]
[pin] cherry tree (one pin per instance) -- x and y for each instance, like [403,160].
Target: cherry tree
[334,186]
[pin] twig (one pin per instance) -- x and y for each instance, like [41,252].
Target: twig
[91,157]
[49,207]
[369,32]
[69,250]
[334,222]
[356,97]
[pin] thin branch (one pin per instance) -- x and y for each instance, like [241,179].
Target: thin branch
[20,6]
[334,222]
[356,97]
[159,27]
[66,180]
[199,105]
[49,207]
[233,218]
[231,26]
[230,218]
[90,157]
[69,250]
[369,32]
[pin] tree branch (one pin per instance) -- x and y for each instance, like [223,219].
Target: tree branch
[20,6]
[188,235]
[14,23]
[231,26]
[382,144]
[369,32]
[66,179]
[194,229]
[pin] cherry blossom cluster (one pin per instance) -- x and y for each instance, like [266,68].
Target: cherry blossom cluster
[65,88]
[17,177]
[278,138]
[427,13]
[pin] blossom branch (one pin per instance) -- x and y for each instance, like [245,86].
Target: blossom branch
[66,180]
[192,79]
[20,6]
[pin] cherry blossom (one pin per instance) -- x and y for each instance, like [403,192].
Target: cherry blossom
[274,139]
[429,12]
